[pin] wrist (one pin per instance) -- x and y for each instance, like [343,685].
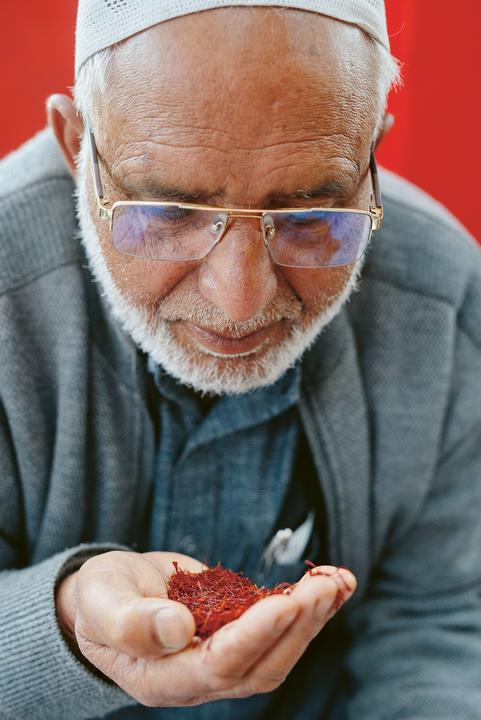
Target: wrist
[66,605]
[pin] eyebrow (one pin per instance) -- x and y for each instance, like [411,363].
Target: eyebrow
[332,189]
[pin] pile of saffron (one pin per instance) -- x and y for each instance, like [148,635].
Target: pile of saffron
[216,596]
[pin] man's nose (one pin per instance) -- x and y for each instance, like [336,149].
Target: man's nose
[238,274]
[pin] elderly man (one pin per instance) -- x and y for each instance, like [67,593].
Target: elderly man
[166,392]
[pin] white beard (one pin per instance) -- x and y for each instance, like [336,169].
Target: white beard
[205,372]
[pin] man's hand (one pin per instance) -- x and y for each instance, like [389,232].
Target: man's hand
[117,606]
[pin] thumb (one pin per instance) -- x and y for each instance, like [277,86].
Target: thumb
[122,604]
[151,627]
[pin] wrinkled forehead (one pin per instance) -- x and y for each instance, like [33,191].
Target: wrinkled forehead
[266,55]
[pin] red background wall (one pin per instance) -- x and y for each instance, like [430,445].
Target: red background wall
[435,142]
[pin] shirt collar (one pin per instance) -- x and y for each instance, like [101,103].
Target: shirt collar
[232,412]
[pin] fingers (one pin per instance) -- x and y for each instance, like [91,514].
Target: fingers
[273,633]
[233,649]
[255,653]
[113,612]
[214,669]
[343,579]
[150,628]
[320,594]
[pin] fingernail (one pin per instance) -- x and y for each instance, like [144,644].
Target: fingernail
[341,573]
[285,620]
[171,629]
[327,570]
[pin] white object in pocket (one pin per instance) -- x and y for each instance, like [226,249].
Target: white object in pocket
[288,546]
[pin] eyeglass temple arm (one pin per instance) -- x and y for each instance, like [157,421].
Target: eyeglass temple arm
[375,180]
[95,162]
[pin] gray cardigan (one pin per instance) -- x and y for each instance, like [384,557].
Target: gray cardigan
[391,406]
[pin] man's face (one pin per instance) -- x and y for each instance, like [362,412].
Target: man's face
[237,107]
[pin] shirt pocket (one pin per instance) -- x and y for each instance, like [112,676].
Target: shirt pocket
[287,564]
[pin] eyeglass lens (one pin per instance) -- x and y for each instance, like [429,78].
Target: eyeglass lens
[302,239]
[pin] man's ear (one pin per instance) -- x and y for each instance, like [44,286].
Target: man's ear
[67,126]
[387,124]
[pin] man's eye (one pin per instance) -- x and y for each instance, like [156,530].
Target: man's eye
[174,213]
[303,220]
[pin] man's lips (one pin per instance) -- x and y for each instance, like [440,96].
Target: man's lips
[228,345]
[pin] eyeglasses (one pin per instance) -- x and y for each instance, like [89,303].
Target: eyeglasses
[302,238]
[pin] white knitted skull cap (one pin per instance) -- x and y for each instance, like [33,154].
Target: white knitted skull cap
[102,23]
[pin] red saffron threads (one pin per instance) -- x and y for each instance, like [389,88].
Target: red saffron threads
[216,596]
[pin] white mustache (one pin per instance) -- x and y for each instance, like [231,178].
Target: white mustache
[195,309]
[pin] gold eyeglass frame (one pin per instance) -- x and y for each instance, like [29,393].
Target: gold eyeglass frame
[106,212]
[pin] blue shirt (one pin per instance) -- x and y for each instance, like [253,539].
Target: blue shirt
[239,454]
